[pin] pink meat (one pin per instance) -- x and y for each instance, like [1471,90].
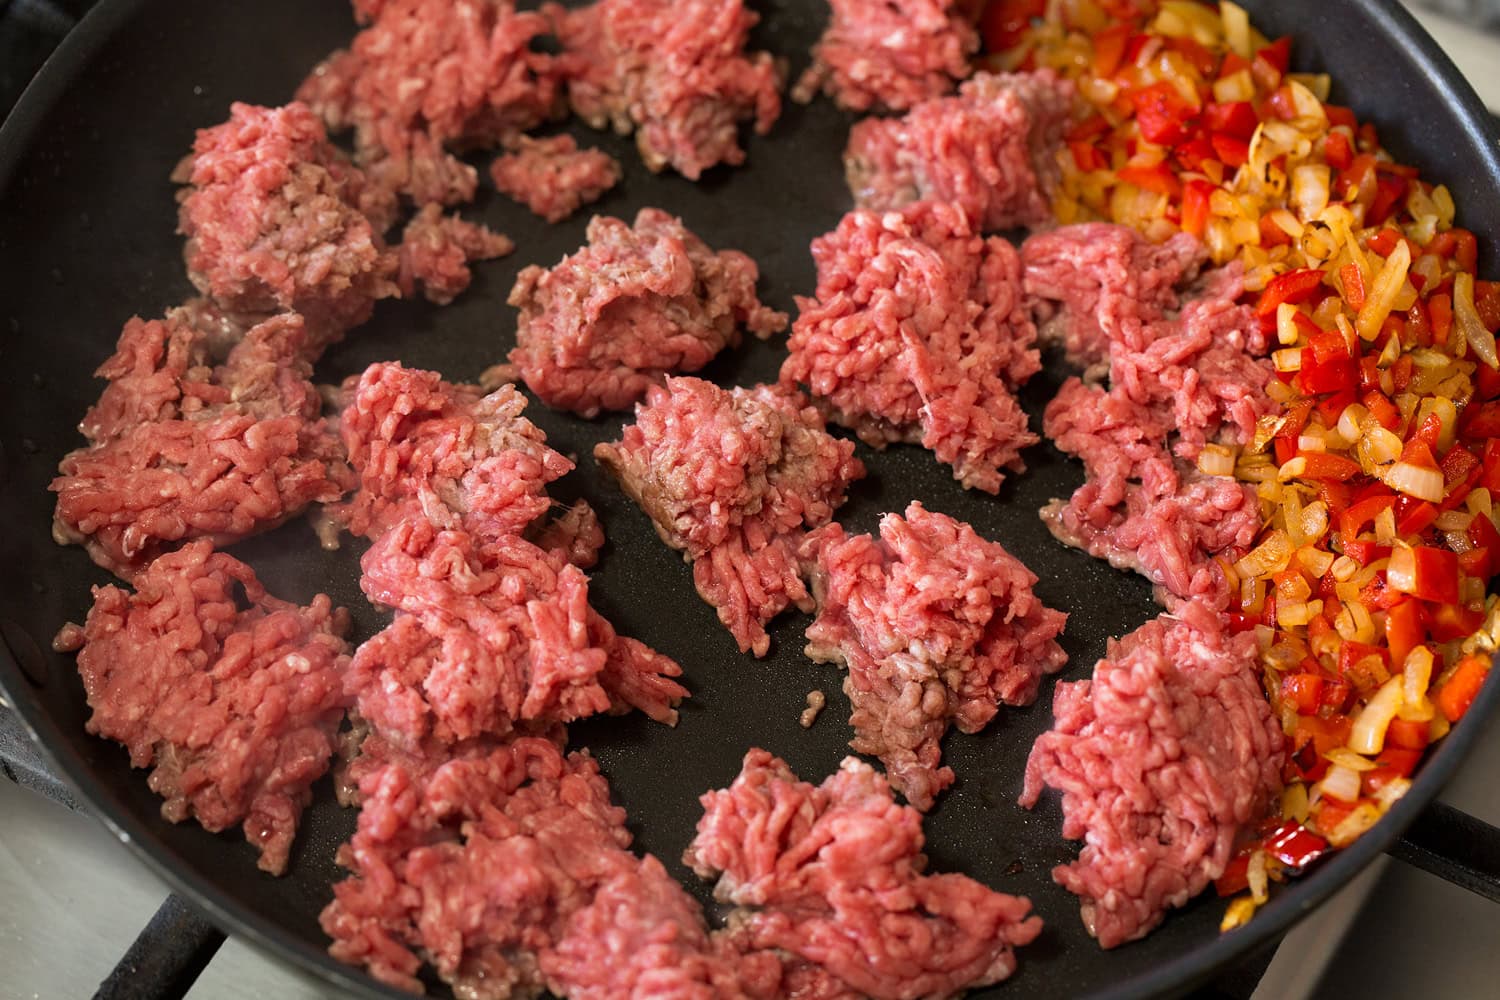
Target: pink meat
[1095,284]
[889,54]
[436,250]
[1178,381]
[553,177]
[233,701]
[936,627]
[277,219]
[673,71]
[833,876]
[917,334]
[501,632]
[633,306]
[507,869]
[734,479]
[232,451]
[1162,759]
[425,447]
[990,150]
[428,76]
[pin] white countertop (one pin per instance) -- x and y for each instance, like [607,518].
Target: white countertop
[74,898]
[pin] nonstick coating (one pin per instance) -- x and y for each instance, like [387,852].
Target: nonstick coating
[87,239]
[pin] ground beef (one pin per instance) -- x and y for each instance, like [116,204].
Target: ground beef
[277,219]
[553,177]
[673,71]
[492,632]
[1094,284]
[425,447]
[917,334]
[429,75]
[232,451]
[436,250]
[733,479]
[575,534]
[1162,759]
[507,869]
[636,304]
[990,150]
[1177,381]
[936,626]
[230,695]
[889,54]
[833,876]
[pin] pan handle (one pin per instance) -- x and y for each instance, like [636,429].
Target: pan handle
[1454,846]
[166,958]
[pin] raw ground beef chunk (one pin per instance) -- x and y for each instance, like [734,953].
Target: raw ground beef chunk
[733,479]
[917,334]
[936,627]
[277,219]
[990,150]
[833,877]
[430,75]
[492,632]
[1162,759]
[507,869]
[233,701]
[673,71]
[635,305]
[1178,380]
[185,451]
[552,176]
[1096,283]
[450,453]
[436,250]
[889,54]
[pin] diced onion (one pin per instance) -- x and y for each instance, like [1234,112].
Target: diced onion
[1237,914]
[1415,480]
[1216,460]
[1466,317]
[1367,735]
[1391,792]
[1341,782]
[1255,875]
[1286,324]
[1270,556]
[1310,189]
[1354,826]
[1382,293]
[1416,678]
[1454,520]
[1294,801]
[1344,757]
[1237,29]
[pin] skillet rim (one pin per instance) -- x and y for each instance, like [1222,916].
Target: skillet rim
[1193,967]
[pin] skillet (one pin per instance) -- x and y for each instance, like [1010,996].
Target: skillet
[87,238]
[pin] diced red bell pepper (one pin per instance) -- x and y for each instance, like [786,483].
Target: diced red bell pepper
[1440,313]
[1303,691]
[1480,421]
[1294,845]
[1487,304]
[1407,735]
[1365,553]
[1361,513]
[1353,281]
[1385,240]
[1459,245]
[1476,563]
[1482,533]
[1197,54]
[1293,286]
[1404,631]
[1004,22]
[1281,104]
[1272,235]
[1333,405]
[1392,763]
[1330,812]
[1195,200]
[1390,192]
[1087,156]
[1327,345]
[1382,409]
[1338,150]
[1423,441]
[1335,375]
[1414,516]
[1270,63]
[1235,119]
[1241,622]
[1339,115]
[1191,155]
[1461,470]
[1109,49]
[1163,115]
[1490,477]
[1335,698]
[1458,692]
[1236,876]
[1323,734]
[1351,653]
[1158,179]
[1434,574]
[1447,622]
[1325,465]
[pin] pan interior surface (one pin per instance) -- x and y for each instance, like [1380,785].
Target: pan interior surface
[87,239]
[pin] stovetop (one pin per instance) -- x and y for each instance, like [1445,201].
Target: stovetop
[80,914]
